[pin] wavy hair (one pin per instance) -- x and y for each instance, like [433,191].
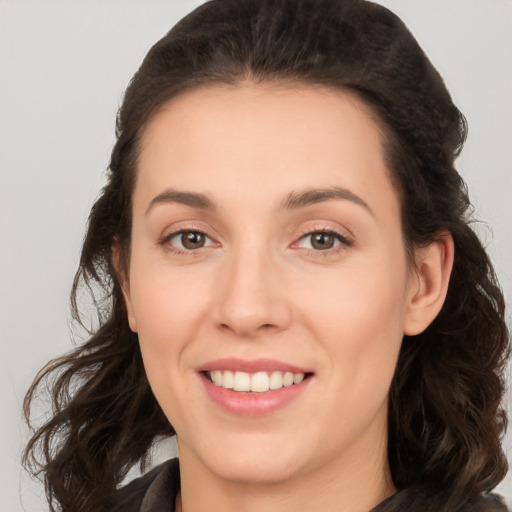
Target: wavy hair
[445,418]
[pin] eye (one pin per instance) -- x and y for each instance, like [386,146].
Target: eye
[188,240]
[323,240]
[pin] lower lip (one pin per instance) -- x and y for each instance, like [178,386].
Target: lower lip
[253,404]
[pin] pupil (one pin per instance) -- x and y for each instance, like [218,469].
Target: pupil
[322,241]
[192,240]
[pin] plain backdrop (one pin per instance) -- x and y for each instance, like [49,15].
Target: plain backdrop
[63,68]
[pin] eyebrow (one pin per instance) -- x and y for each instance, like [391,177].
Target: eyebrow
[294,201]
[192,199]
[308,197]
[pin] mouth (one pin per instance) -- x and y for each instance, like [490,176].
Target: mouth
[253,388]
[258,382]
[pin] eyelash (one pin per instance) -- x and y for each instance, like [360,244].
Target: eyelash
[165,242]
[345,242]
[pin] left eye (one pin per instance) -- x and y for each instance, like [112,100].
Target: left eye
[321,240]
[189,240]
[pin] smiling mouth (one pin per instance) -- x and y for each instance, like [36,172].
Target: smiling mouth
[258,382]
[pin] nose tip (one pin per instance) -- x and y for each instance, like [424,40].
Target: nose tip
[248,327]
[252,302]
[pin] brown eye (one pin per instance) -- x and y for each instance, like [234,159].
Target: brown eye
[192,239]
[322,241]
[187,240]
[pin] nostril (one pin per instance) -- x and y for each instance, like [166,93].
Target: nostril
[248,331]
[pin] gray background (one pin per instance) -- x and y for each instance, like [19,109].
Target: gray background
[63,68]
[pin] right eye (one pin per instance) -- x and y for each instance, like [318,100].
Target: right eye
[321,240]
[188,240]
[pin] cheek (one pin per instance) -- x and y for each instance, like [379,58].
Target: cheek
[358,316]
[362,297]
[167,301]
[167,321]
[168,306]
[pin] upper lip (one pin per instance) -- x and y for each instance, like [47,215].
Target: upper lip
[251,366]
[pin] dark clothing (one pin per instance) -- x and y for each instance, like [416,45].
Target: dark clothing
[153,492]
[423,499]
[156,492]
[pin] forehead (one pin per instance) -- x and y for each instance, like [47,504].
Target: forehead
[262,138]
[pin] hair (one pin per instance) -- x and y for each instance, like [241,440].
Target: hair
[445,417]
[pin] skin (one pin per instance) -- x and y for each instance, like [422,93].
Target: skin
[259,288]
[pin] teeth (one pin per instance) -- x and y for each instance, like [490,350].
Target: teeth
[298,378]
[276,380]
[217,377]
[228,379]
[242,381]
[258,382]
[288,379]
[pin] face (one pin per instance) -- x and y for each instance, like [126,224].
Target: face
[268,281]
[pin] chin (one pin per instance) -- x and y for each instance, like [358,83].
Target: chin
[257,470]
[253,459]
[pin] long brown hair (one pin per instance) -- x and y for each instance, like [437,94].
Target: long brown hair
[445,420]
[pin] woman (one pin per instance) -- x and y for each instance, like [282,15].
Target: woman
[293,286]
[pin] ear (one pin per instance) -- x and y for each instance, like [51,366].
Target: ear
[429,283]
[124,281]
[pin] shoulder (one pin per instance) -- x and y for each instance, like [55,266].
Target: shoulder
[425,499]
[153,492]
[486,503]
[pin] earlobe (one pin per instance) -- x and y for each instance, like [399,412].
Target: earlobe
[430,284]
[125,286]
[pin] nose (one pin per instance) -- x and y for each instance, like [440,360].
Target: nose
[252,299]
